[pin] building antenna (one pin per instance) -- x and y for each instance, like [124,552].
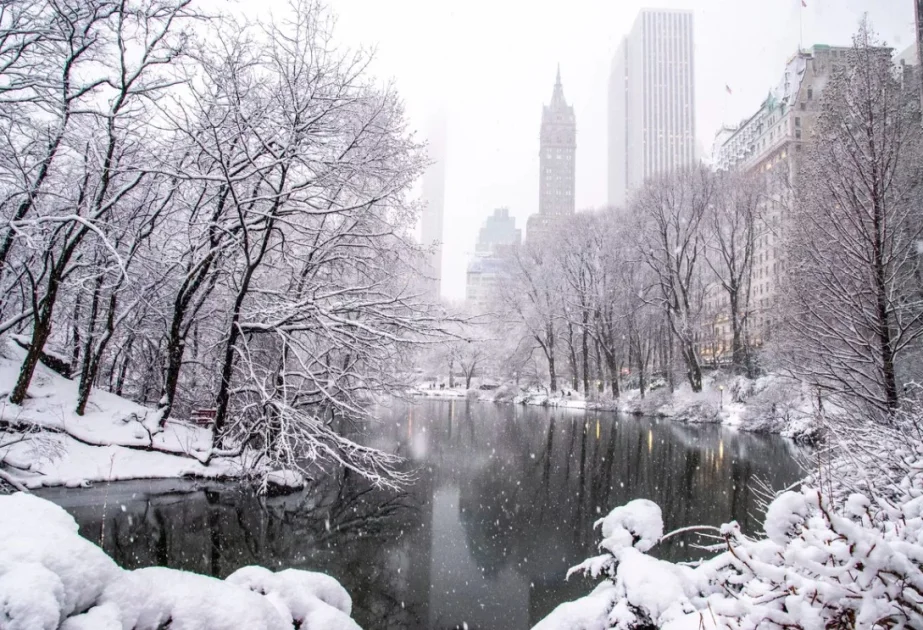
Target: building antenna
[728,92]
[801,9]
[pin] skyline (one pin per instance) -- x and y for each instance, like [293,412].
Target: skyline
[490,69]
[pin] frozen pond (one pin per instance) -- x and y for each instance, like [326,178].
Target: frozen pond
[504,503]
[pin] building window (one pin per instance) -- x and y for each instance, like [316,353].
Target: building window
[797,121]
[797,134]
[804,106]
[810,94]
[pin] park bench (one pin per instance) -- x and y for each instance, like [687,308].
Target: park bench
[203,417]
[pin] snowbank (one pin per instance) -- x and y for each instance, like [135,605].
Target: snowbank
[116,439]
[769,404]
[52,578]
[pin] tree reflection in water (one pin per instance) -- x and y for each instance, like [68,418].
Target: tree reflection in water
[504,503]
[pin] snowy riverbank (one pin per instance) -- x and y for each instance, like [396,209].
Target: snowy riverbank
[770,404]
[44,443]
[52,578]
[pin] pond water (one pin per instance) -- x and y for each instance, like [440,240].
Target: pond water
[503,505]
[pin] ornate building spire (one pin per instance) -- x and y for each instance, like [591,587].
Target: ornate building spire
[557,96]
[557,156]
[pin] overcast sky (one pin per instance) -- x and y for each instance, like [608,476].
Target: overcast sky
[490,64]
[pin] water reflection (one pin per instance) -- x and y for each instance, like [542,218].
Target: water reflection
[504,503]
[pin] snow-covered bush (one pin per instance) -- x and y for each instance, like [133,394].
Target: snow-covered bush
[844,551]
[51,578]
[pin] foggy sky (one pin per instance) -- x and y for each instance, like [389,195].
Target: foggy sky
[490,64]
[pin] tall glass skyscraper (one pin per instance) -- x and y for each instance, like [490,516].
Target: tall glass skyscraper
[651,101]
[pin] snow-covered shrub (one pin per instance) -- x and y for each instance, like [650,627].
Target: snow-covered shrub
[51,578]
[310,600]
[505,393]
[844,551]
[154,597]
[39,545]
[31,597]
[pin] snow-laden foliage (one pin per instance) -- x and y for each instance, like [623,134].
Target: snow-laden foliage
[843,551]
[854,317]
[52,578]
[204,214]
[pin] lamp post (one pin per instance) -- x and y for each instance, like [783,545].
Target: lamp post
[721,389]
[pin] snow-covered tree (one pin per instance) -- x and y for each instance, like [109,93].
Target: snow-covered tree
[218,221]
[529,293]
[735,223]
[672,212]
[855,312]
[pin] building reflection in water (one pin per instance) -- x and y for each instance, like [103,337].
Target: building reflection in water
[504,503]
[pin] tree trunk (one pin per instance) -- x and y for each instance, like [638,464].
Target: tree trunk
[547,345]
[739,350]
[75,333]
[693,369]
[572,356]
[552,375]
[600,378]
[642,383]
[41,330]
[86,365]
[613,373]
[671,365]
[123,370]
[889,378]
[586,356]
[176,346]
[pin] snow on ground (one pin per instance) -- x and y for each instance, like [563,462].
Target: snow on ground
[52,578]
[105,444]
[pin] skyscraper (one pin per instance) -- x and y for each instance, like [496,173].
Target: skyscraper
[651,101]
[497,235]
[557,166]
[434,203]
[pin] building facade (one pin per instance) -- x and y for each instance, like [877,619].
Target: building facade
[497,235]
[651,104]
[498,232]
[557,162]
[770,144]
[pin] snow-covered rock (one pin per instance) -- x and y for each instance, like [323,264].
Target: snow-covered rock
[52,578]
[37,533]
[305,594]
[31,597]
[152,598]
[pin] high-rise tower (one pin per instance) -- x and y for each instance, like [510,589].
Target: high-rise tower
[651,102]
[557,161]
[434,203]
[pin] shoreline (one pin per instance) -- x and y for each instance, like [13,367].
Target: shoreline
[771,404]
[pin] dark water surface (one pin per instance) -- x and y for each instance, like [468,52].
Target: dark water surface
[504,503]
